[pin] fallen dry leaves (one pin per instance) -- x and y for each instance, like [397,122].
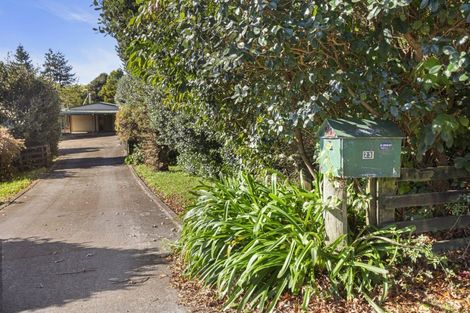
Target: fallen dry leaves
[422,293]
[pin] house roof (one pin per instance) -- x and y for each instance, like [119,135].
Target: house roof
[354,128]
[93,108]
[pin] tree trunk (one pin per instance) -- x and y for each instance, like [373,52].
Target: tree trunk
[303,154]
[163,158]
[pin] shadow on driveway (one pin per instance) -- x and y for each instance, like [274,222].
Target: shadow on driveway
[66,137]
[40,273]
[67,151]
[84,163]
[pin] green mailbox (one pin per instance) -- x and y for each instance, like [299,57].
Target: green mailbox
[360,148]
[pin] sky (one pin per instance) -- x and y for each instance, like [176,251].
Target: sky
[62,25]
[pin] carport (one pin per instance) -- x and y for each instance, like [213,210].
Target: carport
[90,118]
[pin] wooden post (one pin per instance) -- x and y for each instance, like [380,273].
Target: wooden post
[385,187]
[304,182]
[44,156]
[335,214]
[371,216]
[48,156]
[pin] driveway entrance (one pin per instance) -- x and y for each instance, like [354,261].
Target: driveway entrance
[87,238]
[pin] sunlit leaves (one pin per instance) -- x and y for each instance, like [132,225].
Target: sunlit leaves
[254,241]
[247,63]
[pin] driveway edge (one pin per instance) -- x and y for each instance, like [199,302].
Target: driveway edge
[30,186]
[160,204]
[19,194]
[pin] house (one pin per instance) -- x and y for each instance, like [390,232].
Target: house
[90,118]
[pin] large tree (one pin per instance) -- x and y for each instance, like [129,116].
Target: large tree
[95,86]
[73,95]
[57,69]
[22,58]
[120,13]
[264,75]
[108,91]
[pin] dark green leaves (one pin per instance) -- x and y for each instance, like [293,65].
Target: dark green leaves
[255,72]
[254,241]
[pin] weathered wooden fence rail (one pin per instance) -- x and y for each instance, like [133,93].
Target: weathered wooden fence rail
[35,157]
[385,200]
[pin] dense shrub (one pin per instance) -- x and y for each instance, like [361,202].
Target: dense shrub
[136,157]
[265,74]
[133,125]
[198,151]
[162,132]
[10,147]
[29,106]
[255,241]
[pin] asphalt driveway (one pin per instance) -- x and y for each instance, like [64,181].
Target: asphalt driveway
[87,238]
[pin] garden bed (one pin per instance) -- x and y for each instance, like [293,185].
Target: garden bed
[255,245]
[439,293]
[424,289]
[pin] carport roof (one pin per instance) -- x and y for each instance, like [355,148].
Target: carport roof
[93,108]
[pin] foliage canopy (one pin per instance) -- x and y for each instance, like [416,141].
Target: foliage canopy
[108,91]
[23,58]
[29,106]
[161,132]
[57,69]
[263,75]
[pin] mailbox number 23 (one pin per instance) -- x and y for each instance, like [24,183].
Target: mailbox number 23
[367,155]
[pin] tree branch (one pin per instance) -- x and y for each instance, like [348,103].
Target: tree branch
[416,46]
[303,154]
[364,104]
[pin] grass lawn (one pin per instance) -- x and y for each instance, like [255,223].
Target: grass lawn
[173,186]
[18,183]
